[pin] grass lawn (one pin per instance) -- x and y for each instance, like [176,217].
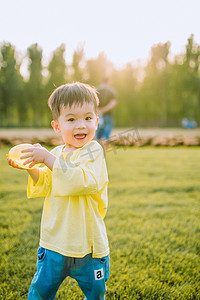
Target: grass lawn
[152,223]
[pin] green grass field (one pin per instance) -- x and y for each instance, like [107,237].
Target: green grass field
[153,226]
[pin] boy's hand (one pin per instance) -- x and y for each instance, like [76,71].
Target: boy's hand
[13,164]
[36,155]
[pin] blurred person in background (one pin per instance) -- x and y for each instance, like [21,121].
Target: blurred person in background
[107,101]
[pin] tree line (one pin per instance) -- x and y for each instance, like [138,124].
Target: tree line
[161,93]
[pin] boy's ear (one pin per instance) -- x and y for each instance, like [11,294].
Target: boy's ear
[97,121]
[55,126]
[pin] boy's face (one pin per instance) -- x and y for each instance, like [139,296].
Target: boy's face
[77,125]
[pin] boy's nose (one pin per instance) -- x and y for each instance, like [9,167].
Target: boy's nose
[81,124]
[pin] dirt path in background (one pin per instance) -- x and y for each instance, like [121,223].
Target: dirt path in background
[150,132]
[150,136]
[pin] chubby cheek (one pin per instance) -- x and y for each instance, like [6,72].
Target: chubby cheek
[92,128]
[67,132]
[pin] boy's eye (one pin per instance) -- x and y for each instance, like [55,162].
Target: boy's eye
[88,118]
[71,120]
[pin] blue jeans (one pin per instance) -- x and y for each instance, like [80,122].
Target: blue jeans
[52,268]
[104,127]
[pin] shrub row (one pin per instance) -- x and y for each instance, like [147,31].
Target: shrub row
[126,140]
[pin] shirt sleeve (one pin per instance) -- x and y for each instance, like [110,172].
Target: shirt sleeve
[43,185]
[85,175]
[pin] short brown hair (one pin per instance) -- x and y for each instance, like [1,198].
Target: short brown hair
[72,93]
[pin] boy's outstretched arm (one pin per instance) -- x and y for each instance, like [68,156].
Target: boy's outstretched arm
[35,155]
[34,173]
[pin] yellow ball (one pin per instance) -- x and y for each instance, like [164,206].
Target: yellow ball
[15,154]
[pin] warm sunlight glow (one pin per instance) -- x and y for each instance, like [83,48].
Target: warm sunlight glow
[125,32]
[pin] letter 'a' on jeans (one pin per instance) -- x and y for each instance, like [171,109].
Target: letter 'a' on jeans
[52,268]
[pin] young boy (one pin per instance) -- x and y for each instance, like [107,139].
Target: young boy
[73,240]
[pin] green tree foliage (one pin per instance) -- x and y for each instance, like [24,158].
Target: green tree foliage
[97,68]
[191,79]
[57,69]
[155,86]
[184,83]
[34,86]
[167,92]
[125,83]
[10,85]
[77,64]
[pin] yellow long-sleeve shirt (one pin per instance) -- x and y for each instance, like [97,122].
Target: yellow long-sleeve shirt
[75,203]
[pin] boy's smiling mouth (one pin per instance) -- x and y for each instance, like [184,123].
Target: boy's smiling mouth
[80,136]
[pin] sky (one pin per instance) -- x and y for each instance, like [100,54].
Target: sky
[125,30]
